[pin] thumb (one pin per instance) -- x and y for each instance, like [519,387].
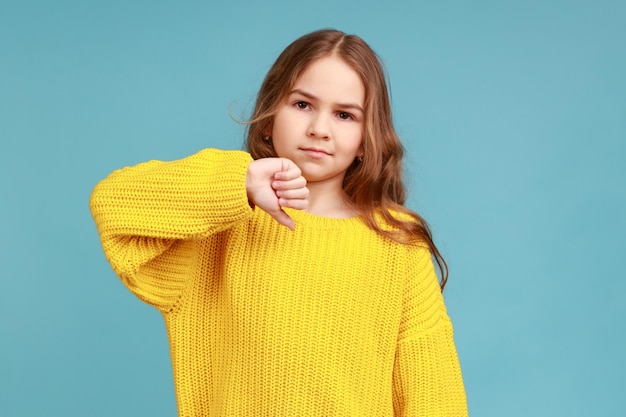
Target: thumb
[283,218]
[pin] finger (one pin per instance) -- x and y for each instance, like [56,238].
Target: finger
[289,171]
[287,175]
[294,203]
[293,184]
[283,218]
[298,193]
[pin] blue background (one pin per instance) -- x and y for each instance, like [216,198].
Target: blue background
[514,119]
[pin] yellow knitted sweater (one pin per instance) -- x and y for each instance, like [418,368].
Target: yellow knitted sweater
[328,320]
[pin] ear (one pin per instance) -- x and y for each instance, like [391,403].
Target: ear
[268,128]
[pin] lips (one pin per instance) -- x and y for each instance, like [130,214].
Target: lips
[315,152]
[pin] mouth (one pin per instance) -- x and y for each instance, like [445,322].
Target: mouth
[315,152]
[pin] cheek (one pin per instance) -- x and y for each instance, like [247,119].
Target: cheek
[283,123]
[277,131]
[281,133]
[357,138]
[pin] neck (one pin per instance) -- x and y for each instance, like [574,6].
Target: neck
[328,200]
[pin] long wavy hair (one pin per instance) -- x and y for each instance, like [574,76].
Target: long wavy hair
[374,184]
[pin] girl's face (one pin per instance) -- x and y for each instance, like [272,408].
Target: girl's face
[320,124]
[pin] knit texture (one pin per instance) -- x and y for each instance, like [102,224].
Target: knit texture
[331,319]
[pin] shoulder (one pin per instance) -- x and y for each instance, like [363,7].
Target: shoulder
[401,225]
[398,234]
[396,216]
[408,234]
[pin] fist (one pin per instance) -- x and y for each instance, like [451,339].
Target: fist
[274,183]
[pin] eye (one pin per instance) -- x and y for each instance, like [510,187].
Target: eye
[345,116]
[302,105]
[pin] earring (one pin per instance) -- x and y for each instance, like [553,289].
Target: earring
[267,139]
[360,158]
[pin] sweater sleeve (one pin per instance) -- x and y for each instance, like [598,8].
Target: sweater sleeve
[149,215]
[427,380]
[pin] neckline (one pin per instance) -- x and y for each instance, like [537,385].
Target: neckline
[321,222]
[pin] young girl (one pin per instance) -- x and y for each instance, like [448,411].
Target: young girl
[292,280]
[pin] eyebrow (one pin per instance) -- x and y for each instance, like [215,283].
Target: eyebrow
[312,97]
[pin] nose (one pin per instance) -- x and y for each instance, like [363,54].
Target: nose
[319,127]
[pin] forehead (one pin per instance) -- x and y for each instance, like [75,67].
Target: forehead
[332,79]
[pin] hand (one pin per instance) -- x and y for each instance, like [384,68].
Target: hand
[274,183]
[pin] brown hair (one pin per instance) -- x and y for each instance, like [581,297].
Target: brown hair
[374,184]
